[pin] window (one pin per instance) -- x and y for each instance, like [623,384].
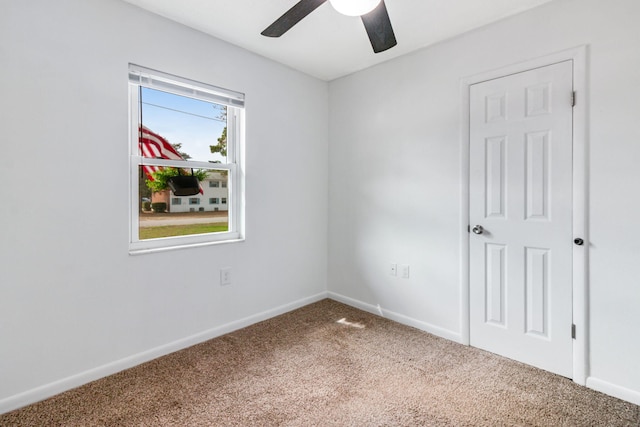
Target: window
[183,133]
[214,201]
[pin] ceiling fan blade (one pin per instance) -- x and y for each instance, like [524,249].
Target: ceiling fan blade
[379,30]
[292,17]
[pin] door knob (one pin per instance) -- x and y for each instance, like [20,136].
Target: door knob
[579,242]
[478,229]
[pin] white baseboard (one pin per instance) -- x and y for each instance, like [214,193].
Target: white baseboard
[43,392]
[605,387]
[400,318]
[56,387]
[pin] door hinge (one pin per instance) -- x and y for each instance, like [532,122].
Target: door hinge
[573,331]
[573,98]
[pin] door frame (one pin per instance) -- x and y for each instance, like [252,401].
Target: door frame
[580,254]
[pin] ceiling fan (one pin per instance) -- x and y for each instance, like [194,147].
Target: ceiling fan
[372,12]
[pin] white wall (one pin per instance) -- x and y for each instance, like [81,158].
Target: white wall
[395,169]
[74,305]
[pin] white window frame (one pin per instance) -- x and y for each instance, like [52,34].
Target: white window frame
[145,77]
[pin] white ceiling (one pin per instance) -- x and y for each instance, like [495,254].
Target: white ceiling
[326,44]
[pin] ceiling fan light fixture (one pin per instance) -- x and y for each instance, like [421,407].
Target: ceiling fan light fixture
[354,7]
[373,14]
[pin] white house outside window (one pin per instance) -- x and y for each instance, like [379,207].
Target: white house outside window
[186,149]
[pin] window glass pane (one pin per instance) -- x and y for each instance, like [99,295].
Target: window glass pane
[175,126]
[163,214]
[185,122]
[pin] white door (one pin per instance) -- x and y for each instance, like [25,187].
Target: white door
[520,260]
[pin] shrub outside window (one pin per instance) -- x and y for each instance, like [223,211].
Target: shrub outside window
[182,134]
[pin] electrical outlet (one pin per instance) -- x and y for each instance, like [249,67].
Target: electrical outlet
[393,269]
[225,276]
[404,269]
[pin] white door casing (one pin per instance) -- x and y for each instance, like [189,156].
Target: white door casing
[520,192]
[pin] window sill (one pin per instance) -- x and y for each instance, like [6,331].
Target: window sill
[150,250]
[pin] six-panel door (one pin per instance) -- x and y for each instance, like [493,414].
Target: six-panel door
[520,194]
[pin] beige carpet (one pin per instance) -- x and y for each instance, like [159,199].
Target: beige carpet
[306,369]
